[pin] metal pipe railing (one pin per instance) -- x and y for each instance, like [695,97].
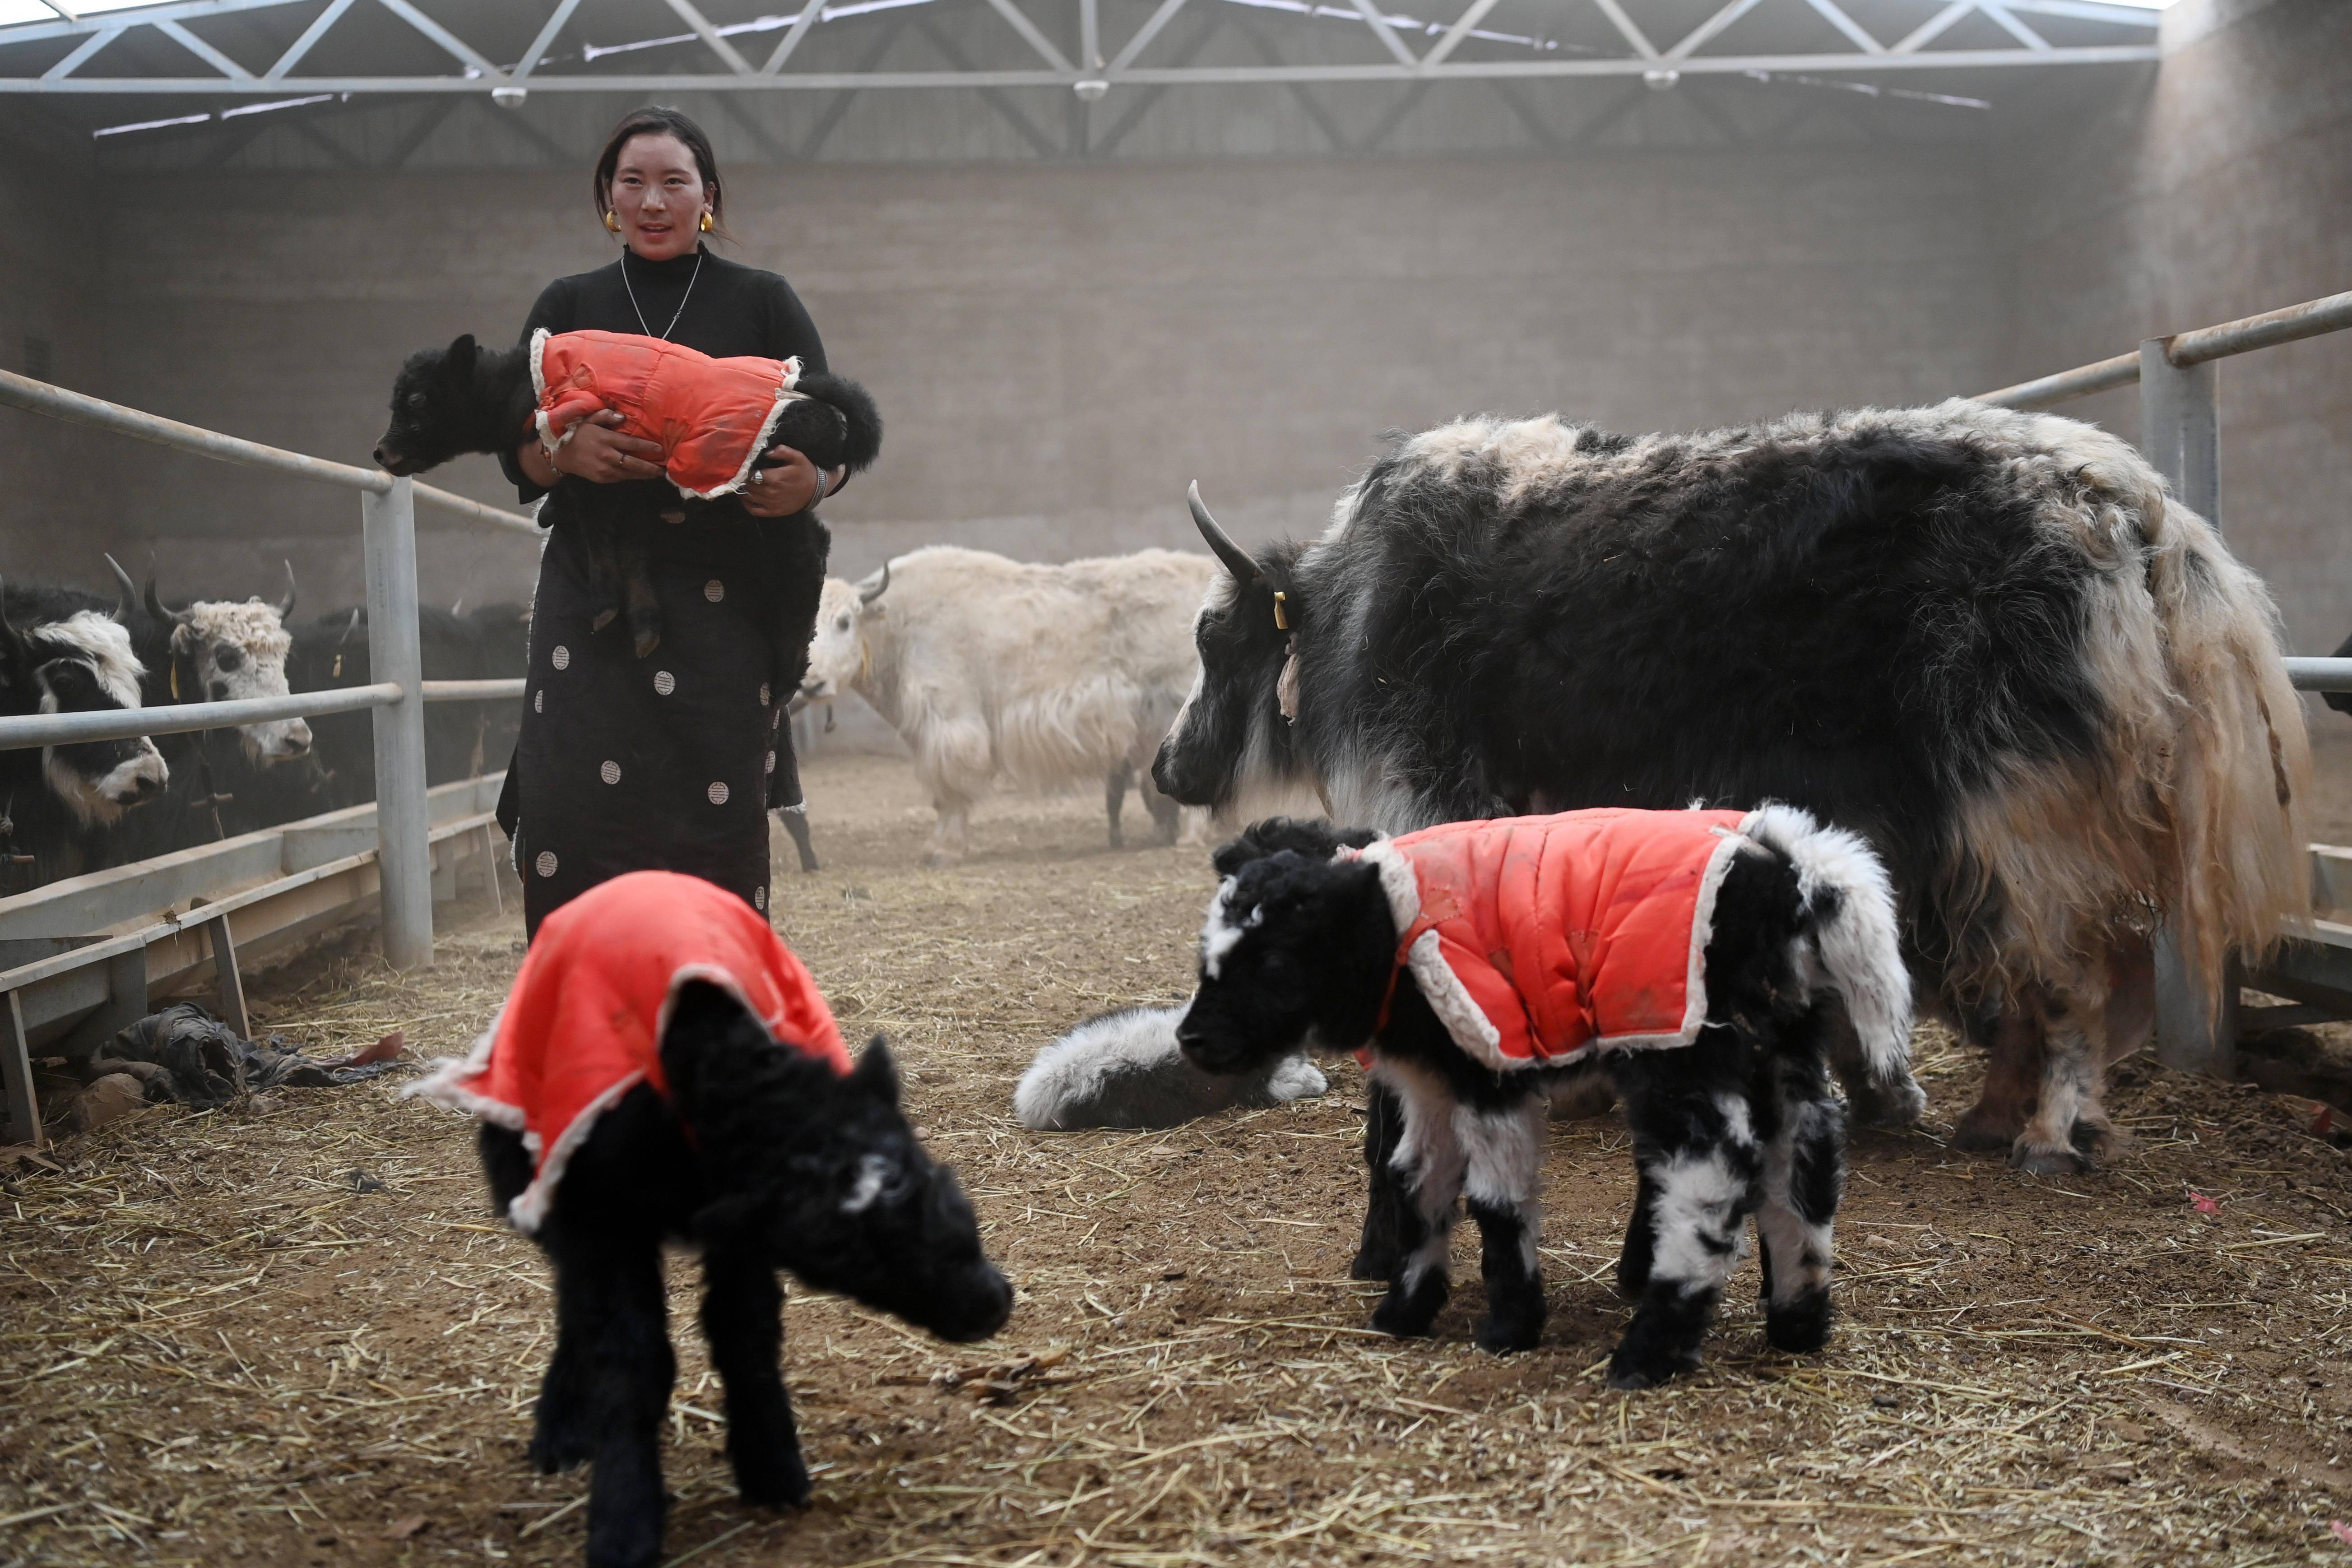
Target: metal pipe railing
[121,723]
[477,691]
[2081,381]
[22,732]
[2311,319]
[2320,674]
[79,408]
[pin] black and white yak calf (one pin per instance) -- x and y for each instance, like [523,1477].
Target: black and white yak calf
[1700,960]
[60,653]
[665,1068]
[1987,641]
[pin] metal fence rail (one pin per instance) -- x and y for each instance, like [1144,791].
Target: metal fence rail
[2181,433]
[79,408]
[2182,350]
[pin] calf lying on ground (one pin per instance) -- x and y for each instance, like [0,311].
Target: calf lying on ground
[1698,958]
[1123,1068]
[716,420]
[671,1071]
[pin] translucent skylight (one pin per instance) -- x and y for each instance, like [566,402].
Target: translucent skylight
[15,11]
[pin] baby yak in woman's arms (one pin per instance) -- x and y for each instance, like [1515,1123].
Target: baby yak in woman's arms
[715,420]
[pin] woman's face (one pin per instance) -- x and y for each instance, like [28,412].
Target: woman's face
[658,198]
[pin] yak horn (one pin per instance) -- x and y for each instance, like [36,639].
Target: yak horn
[1237,560]
[285,605]
[157,608]
[350,631]
[130,596]
[867,595]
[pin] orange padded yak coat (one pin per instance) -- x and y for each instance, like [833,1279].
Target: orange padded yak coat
[583,1023]
[711,417]
[1538,938]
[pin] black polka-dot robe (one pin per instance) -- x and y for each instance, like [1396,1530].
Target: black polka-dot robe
[669,762]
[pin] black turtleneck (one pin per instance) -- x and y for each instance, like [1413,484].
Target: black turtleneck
[729,309]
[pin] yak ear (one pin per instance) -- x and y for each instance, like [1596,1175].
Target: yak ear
[462,350]
[878,1073]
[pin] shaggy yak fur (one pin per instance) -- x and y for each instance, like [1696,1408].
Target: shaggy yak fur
[465,398]
[768,1159]
[1301,944]
[1124,1068]
[1050,675]
[1987,641]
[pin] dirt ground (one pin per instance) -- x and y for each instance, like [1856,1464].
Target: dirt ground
[289,1333]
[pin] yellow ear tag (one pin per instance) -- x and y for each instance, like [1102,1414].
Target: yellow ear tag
[336,674]
[1281,620]
[175,680]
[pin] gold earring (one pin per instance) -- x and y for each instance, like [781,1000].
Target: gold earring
[706,223]
[610,225]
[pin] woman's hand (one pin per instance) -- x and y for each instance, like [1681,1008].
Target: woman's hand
[596,452]
[789,486]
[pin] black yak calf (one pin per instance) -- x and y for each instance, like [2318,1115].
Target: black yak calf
[664,1069]
[716,421]
[1699,959]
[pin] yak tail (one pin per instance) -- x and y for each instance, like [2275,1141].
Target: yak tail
[1850,917]
[2240,757]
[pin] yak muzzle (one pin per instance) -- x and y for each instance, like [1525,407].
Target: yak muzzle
[1168,780]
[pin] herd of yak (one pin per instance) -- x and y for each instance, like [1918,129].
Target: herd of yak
[1981,721]
[70,809]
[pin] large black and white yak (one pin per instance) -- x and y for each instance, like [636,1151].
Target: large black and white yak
[1989,641]
[60,652]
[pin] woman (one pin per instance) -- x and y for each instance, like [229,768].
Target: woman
[670,762]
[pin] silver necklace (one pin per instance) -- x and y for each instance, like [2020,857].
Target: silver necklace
[690,278]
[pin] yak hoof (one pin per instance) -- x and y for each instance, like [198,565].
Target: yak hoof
[1980,1131]
[647,642]
[1799,1327]
[604,618]
[1890,1107]
[1627,1375]
[2096,1140]
[778,1486]
[1507,1335]
[2037,1160]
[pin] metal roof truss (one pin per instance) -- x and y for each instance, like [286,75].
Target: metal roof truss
[1409,49]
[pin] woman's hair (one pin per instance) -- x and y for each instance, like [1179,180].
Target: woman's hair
[658,120]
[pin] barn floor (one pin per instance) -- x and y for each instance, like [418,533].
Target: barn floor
[289,1334]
